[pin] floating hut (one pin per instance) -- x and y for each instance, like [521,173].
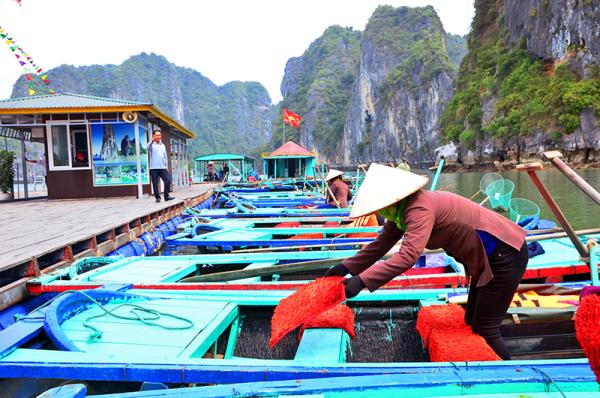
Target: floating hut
[239,165]
[95,147]
[290,160]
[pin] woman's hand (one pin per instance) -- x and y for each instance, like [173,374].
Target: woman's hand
[353,286]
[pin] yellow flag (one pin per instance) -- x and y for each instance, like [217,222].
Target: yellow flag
[31,91]
[8,42]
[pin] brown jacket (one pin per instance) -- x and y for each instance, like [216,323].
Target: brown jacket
[341,193]
[435,220]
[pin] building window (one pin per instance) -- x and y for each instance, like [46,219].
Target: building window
[68,147]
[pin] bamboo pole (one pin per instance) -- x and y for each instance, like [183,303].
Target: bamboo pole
[531,168]
[555,158]
[265,271]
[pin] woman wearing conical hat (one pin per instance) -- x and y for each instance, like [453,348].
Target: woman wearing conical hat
[339,189]
[491,247]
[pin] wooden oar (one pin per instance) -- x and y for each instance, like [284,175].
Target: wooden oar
[265,271]
[554,157]
[531,168]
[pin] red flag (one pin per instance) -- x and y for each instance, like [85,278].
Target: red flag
[291,118]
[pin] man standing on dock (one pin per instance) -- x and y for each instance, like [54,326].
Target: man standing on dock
[158,166]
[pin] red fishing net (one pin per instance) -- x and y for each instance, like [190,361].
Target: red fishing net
[443,330]
[308,302]
[443,317]
[459,345]
[587,329]
[340,316]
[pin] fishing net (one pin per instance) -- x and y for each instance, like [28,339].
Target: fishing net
[524,209]
[307,303]
[500,193]
[487,179]
[340,316]
[443,329]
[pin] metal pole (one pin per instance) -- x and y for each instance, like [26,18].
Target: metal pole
[136,128]
[593,247]
[436,176]
[554,157]
[530,168]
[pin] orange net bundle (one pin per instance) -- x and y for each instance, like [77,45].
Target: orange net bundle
[587,330]
[340,316]
[308,302]
[449,338]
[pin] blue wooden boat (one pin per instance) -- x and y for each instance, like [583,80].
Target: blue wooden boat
[217,337]
[166,272]
[528,381]
[248,212]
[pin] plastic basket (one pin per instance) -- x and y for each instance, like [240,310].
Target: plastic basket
[521,209]
[500,193]
[487,179]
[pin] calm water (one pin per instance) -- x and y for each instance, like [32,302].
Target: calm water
[579,209]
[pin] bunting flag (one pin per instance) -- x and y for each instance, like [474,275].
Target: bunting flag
[291,118]
[18,1]
[29,66]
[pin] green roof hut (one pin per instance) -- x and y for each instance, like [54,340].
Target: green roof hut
[240,166]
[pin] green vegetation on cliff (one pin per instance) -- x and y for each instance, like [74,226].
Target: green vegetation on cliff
[520,93]
[420,48]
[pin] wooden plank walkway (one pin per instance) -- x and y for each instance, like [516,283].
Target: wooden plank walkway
[37,228]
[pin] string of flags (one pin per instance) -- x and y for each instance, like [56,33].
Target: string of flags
[26,61]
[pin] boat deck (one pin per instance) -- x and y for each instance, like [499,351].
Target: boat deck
[41,235]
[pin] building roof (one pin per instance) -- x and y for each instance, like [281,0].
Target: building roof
[222,156]
[65,101]
[291,149]
[77,103]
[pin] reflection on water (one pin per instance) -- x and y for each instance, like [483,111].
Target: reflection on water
[579,209]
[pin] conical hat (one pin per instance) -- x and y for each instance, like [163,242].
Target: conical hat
[384,186]
[333,173]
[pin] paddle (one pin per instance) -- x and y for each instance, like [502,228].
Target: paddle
[531,168]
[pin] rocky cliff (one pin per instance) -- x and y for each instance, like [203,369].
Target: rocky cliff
[530,82]
[318,86]
[403,83]
[235,117]
[376,95]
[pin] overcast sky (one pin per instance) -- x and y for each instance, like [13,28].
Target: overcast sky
[225,40]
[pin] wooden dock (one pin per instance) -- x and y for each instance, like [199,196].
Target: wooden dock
[41,235]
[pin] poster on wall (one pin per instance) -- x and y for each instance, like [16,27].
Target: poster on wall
[113,146]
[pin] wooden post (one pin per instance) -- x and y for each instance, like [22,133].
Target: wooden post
[531,168]
[555,158]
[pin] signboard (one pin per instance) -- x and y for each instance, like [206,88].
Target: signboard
[114,161]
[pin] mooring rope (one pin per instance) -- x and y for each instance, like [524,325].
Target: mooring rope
[549,380]
[137,312]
